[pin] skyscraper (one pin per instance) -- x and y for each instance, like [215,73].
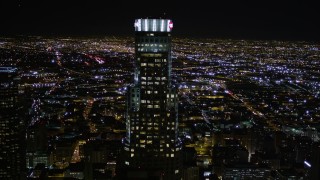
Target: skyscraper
[151,143]
[12,162]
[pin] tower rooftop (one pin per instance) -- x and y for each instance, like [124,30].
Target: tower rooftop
[153,25]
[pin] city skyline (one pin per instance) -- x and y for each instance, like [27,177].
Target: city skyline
[239,20]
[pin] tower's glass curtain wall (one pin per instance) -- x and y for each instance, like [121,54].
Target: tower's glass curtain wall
[151,142]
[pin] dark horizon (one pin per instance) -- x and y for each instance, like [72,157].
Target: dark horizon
[266,20]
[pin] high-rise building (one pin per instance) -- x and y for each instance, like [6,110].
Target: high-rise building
[152,146]
[12,162]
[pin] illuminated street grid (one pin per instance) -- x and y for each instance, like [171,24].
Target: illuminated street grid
[75,91]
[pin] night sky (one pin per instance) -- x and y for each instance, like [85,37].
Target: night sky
[261,19]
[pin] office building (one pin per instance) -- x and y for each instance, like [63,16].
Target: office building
[152,146]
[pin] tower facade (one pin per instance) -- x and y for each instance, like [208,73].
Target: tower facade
[151,142]
[12,156]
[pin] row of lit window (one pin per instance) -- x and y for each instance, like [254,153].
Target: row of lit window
[152,92]
[156,60]
[149,128]
[151,49]
[150,106]
[151,64]
[154,123]
[143,121]
[156,78]
[167,155]
[151,83]
[151,120]
[151,44]
[171,95]
[148,102]
[154,136]
[150,124]
[153,40]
